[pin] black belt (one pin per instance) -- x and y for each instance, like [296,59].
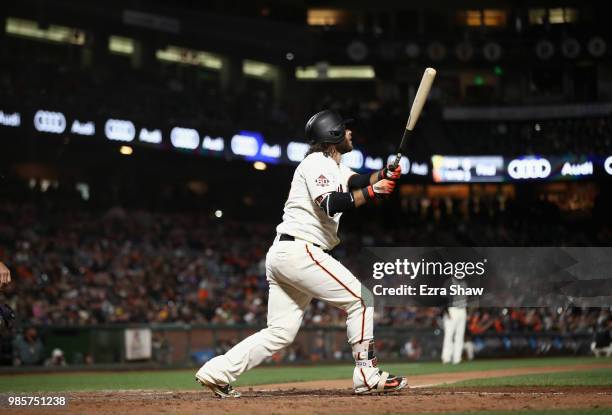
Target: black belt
[285,237]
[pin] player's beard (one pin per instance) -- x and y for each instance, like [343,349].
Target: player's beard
[344,147]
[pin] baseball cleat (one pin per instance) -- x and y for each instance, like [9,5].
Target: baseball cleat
[387,383]
[221,391]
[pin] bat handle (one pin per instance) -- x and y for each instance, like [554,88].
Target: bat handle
[396,162]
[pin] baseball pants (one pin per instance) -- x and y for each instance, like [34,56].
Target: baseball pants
[297,272]
[454,332]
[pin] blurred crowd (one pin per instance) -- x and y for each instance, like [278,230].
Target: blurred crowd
[75,265]
[550,137]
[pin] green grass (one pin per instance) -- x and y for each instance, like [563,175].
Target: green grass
[593,377]
[184,380]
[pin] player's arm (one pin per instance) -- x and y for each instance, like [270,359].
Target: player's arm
[359,181]
[336,202]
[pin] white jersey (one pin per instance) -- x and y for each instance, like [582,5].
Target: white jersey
[316,175]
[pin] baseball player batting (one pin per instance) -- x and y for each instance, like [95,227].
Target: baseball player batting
[299,267]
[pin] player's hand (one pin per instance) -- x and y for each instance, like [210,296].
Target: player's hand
[383,188]
[391,173]
[5,275]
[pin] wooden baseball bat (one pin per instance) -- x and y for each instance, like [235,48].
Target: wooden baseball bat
[415,111]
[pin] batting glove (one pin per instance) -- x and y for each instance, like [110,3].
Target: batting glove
[390,173]
[380,189]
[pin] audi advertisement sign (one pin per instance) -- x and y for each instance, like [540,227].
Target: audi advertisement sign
[252,146]
[529,168]
[467,169]
[552,167]
[49,122]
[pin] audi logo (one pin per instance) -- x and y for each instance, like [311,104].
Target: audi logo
[608,165]
[186,138]
[529,168]
[49,122]
[119,130]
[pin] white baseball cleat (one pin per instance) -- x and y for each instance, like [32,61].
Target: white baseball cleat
[221,391]
[386,383]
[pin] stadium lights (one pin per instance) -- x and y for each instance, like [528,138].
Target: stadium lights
[121,45]
[126,150]
[30,29]
[335,72]
[260,165]
[258,69]
[189,57]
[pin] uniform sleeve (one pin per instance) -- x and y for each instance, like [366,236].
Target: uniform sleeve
[320,177]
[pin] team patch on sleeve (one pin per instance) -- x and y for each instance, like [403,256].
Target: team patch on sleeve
[322,181]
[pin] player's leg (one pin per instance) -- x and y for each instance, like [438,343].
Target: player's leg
[323,277]
[459,335]
[447,343]
[286,307]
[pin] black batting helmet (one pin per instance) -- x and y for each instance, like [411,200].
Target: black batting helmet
[326,127]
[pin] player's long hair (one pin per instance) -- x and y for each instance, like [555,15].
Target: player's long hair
[326,148]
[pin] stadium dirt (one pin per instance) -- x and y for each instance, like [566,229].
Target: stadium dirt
[331,397]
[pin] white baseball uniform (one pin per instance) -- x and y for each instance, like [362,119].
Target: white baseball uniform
[300,270]
[454,327]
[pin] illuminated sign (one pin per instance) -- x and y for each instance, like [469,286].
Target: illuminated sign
[297,151]
[213,144]
[273,151]
[529,168]
[83,128]
[119,130]
[473,169]
[577,169]
[10,120]
[373,163]
[150,136]
[185,138]
[608,165]
[244,145]
[49,122]
[419,169]
[354,159]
